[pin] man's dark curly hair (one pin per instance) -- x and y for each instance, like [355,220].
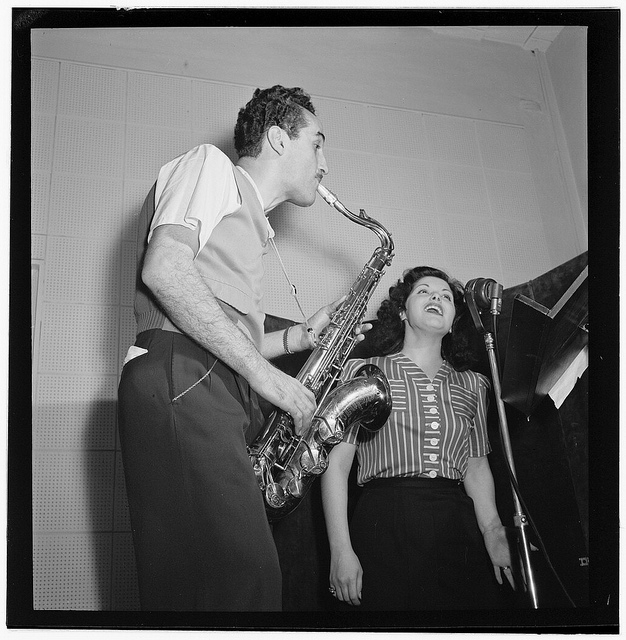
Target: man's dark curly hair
[387,335]
[268,107]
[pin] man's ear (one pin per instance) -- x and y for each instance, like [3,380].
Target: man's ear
[276,139]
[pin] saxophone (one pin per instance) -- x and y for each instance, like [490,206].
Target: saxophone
[286,464]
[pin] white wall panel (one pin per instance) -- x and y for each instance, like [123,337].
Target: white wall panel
[405,183]
[523,250]
[71,572]
[351,178]
[89,147]
[503,147]
[460,190]
[72,491]
[417,241]
[44,80]
[158,100]
[394,132]
[345,124]
[214,112]
[79,338]
[135,192]
[470,250]
[452,140]
[74,412]
[92,92]
[82,270]
[39,203]
[148,148]
[512,196]
[85,206]
[41,141]
[38,247]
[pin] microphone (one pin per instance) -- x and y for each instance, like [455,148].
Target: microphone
[485,293]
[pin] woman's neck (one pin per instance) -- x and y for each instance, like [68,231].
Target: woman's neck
[426,354]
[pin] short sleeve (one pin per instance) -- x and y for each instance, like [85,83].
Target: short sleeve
[196,190]
[350,368]
[479,439]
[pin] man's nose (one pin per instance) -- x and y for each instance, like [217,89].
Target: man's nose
[323,167]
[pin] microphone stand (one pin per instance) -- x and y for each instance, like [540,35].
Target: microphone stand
[520,520]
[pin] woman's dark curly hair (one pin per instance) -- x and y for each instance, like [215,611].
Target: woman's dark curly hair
[387,335]
[268,107]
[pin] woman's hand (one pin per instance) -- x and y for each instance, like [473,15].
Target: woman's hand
[346,577]
[497,546]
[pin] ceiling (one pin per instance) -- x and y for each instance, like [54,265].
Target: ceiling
[535,38]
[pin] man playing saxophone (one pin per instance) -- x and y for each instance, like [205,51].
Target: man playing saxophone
[188,394]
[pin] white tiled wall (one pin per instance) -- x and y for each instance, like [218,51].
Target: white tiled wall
[455,193]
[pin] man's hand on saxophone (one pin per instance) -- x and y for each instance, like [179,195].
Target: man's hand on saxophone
[286,393]
[282,390]
[310,332]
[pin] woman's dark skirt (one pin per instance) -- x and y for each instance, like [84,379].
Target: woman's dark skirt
[420,547]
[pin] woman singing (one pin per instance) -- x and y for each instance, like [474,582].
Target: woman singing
[426,533]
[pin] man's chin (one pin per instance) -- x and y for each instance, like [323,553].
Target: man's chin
[303,202]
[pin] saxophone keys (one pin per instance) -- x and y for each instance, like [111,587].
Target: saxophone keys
[314,462]
[327,433]
[295,487]
[275,495]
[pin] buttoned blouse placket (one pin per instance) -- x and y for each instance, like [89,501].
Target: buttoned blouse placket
[430,417]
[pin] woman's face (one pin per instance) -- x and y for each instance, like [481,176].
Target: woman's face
[430,306]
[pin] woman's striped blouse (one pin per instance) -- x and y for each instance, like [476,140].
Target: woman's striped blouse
[433,428]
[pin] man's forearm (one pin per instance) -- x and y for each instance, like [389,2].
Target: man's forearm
[172,277]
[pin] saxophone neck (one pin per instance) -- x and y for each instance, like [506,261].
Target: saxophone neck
[362,218]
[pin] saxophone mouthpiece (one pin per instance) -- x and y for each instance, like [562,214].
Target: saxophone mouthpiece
[331,198]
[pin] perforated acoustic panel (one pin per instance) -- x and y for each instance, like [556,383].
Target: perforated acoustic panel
[73,490]
[88,147]
[72,571]
[162,101]
[79,339]
[37,247]
[395,132]
[39,200]
[452,140]
[214,110]
[92,92]
[135,192]
[75,412]
[83,270]
[44,80]
[86,207]
[148,148]
[41,142]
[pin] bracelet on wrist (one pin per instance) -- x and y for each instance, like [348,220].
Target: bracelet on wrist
[286,341]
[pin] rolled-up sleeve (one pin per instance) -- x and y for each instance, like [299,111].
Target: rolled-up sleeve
[196,190]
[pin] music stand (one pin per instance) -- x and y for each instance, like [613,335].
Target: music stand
[542,343]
